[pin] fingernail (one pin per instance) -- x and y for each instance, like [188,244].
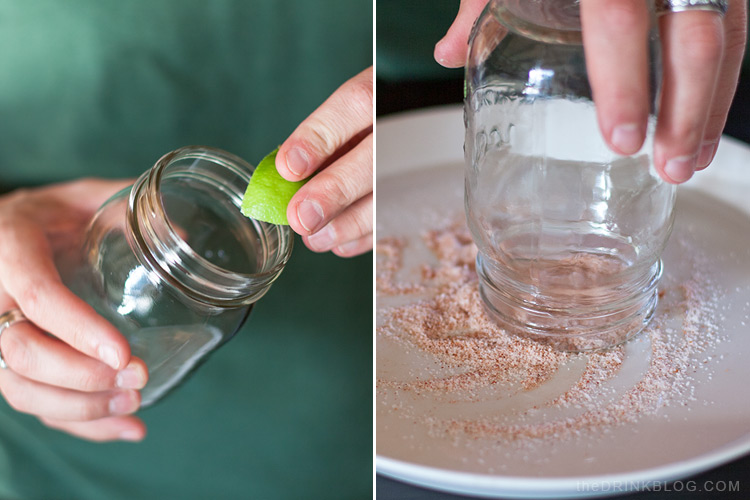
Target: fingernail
[323,239]
[123,403]
[108,354]
[435,51]
[708,149]
[130,378]
[298,162]
[310,215]
[131,435]
[680,169]
[628,138]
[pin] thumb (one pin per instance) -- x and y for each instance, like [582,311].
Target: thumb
[451,50]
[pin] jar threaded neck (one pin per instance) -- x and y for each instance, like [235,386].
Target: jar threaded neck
[163,246]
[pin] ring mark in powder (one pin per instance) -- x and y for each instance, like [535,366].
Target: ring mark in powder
[466,361]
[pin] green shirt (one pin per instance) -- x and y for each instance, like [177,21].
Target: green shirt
[104,88]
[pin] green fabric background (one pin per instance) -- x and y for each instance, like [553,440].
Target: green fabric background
[105,88]
[108,87]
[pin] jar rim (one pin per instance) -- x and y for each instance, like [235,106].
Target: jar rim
[550,21]
[556,22]
[175,260]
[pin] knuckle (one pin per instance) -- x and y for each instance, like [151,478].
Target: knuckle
[321,137]
[31,296]
[624,17]
[33,301]
[351,105]
[688,130]
[343,189]
[90,410]
[703,41]
[361,91]
[367,152]
[17,353]
[355,223]
[361,225]
[77,336]
[91,380]
[359,218]
[688,135]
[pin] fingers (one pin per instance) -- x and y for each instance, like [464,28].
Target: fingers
[86,195]
[335,207]
[692,52]
[735,37]
[127,428]
[452,49]
[348,234]
[50,379]
[32,354]
[355,247]
[699,79]
[339,120]
[81,377]
[28,274]
[615,39]
[29,396]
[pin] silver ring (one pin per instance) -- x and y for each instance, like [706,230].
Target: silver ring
[8,319]
[718,6]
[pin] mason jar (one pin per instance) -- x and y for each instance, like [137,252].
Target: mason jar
[173,264]
[569,234]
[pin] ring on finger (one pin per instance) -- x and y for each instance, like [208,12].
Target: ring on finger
[667,6]
[8,319]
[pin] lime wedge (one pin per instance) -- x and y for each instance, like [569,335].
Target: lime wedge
[268,193]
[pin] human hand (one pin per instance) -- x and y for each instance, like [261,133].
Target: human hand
[701,57]
[80,378]
[334,210]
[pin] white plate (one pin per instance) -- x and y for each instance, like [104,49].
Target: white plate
[419,182]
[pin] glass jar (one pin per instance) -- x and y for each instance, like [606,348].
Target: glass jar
[173,264]
[569,233]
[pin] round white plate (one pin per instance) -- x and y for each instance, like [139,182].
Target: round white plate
[420,182]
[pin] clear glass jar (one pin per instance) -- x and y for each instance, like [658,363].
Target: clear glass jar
[569,233]
[173,264]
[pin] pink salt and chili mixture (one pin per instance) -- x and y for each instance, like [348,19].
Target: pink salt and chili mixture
[441,317]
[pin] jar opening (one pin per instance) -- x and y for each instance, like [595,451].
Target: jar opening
[185,220]
[563,15]
[549,21]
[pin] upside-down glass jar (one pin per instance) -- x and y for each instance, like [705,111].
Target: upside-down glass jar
[173,264]
[569,233]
